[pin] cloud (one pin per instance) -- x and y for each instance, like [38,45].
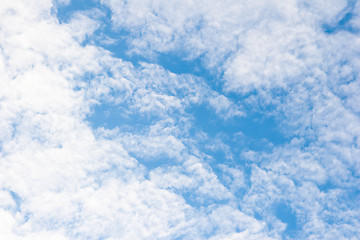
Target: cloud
[156,174]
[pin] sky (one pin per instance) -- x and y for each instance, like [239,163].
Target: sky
[182,119]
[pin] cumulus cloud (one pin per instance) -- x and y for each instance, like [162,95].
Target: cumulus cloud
[158,173]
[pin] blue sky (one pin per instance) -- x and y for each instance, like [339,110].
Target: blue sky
[147,119]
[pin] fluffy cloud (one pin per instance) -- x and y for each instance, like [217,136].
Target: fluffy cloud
[157,174]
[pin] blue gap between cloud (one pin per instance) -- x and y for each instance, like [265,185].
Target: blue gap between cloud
[345,17]
[285,213]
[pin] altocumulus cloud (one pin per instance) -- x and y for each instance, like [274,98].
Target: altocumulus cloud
[159,119]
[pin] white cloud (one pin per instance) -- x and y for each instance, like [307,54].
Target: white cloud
[59,178]
[327,11]
[234,177]
[64,179]
[82,26]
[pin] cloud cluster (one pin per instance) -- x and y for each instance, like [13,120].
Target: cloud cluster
[159,173]
[60,178]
